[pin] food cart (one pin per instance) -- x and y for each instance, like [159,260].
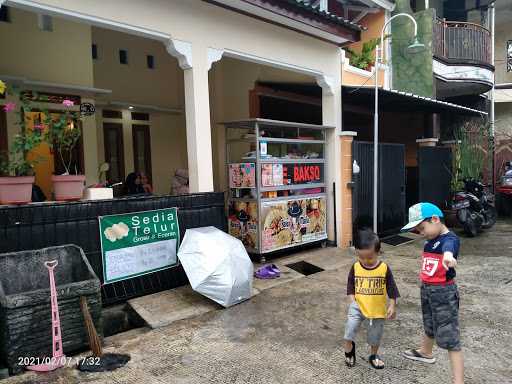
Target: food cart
[277,184]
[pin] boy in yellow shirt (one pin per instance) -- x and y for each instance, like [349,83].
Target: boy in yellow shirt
[370,283]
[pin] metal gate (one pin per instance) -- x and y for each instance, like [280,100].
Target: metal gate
[391,208]
[435,175]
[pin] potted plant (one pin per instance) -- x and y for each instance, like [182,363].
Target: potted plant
[62,135]
[16,169]
[366,59]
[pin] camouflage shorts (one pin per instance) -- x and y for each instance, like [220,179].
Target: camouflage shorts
[440,307]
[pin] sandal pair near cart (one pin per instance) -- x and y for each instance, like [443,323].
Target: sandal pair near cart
[269,271]
[411,354]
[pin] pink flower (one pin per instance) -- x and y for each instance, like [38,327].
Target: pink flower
[38,127]
[9,107]
[67,103]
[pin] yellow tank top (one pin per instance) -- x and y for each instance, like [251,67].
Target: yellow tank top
[370,289]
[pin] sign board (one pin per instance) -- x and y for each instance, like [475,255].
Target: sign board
[138,243]
[242,175]
[87,109]
[273,175]
[293,222]
[243,222]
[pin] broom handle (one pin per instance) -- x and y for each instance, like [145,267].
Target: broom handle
[92,335]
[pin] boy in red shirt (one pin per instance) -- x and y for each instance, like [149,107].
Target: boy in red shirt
[439,294]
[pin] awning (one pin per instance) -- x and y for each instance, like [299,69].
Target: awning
[398,101]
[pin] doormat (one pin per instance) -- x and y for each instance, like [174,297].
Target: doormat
[397,240]
[304,268]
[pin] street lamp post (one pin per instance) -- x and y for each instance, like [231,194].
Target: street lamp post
[415,47]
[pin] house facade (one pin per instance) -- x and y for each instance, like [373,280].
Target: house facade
[163,78]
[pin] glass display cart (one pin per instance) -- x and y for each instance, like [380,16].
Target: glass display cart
[277,184]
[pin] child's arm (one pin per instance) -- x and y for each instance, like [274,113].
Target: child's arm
[450,249]
[351,285]
[449,261]
[392,309]
[393,294]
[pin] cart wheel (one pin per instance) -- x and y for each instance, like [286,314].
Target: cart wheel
[324,244]
[263,260]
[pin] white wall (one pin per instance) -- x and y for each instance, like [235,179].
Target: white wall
[503,33]
[207,25]
[135,82]
[61,56]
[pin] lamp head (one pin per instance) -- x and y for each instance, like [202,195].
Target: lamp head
[416,46]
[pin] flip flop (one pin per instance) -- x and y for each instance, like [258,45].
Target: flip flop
[373,359]
[413,354]
[267,272]
[350,357]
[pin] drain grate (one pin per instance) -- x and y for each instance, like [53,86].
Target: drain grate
[305,268]
[396,240]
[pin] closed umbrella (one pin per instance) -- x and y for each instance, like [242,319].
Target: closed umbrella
[217,265]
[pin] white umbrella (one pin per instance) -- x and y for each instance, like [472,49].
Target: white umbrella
[217,265]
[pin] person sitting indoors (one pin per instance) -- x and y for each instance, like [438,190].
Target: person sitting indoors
[146,185]
[133,184]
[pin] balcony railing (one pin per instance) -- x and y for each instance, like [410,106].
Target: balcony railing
[461,42]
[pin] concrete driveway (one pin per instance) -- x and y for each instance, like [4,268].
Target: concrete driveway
[291,333]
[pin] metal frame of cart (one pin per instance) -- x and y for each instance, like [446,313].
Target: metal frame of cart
[292,134]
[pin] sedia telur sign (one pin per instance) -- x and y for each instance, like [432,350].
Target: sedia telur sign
[138,243]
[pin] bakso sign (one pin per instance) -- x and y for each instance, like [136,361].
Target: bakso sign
[138,243]
[303,173]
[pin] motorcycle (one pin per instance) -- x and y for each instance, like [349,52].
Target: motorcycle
[475,207]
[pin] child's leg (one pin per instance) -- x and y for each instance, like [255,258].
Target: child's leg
[374,337]
[354,319]
[427,346]
[424,354]
[457,363]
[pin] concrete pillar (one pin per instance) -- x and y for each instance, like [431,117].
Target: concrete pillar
[331,115]
[90,142]
[197,108]
[345,189]
[432,126]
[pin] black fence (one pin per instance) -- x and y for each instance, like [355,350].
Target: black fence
[37,226]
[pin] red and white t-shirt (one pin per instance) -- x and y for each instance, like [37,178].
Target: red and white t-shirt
[432,270]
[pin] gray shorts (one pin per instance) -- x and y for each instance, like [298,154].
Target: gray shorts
[375,327]
[440,308]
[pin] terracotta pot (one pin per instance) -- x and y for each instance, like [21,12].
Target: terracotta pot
[16,190]
[68,187]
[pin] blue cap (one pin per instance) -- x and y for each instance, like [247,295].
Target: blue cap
[420,212]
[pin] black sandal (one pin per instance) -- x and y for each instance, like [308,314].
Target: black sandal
[351,355]
[372,359]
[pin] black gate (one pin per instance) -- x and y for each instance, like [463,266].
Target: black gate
[435,175]
[391,208]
